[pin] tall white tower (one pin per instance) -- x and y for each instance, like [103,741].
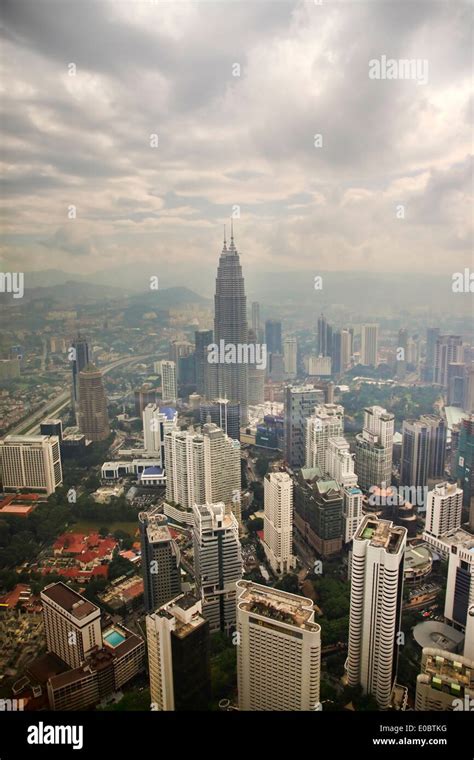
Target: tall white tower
[368,345]
[340,466]
[443,509]
[169,382]
[278,521]
[376,603]
[326,422]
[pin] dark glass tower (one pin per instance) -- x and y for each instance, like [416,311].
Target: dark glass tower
[230,326]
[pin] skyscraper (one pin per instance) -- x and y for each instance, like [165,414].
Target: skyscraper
[222,471]
[290,354]
[368,345]
[217,563]
[299,404]
[71,624]
[230,326]
[376,602]
[448,348]
[80,360]
[446,680]
[443,509]
[223,413]
[340,466]
[278,522]
[279,650]
[437,455]
[156,423]
[346,349]
[373,455]
[460,582]
[169,382]
[273,336]
[432,335]
[202,339]
[465,464]
[160,559]
[179,656]
[324,342]
[31,461]
[256,318]
[336,353]
[92,417]
[326,422]
[415,459]
[256,374]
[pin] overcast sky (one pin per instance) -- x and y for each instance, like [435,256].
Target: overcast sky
[167,68]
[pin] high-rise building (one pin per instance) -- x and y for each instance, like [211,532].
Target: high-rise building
[278,522]
[318,502]
[179,656]
[415,458]
[217,563]
[326,422]
[80,359]
[230,327]
[256,374]
[346,349]
[368,345]
[156,423]
[256,318]
[92,417]
[469,634]
[443,509]
[222,470]
[373,454]
[52,427]
[432,335]
[290,356]
[376,602]
[468,390]
[31,461]
[456,379]
[202,339]
[299,404]
[448,348]
[169,382]
[465,464]
[71,624]
[273,336]
[223,413]
[460,582]
[160,560]
[437,455]
[336,353]
[181,350]
[276,367]
[279,650]
[402,353]
[340,466]
[324,342]
[446,681]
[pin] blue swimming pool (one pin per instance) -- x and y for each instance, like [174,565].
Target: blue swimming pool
[114,638]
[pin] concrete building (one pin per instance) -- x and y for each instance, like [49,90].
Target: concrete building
[460,583]
[443,509]
[369,345]
[278,522]
[340,467]
[327,421]
[223,413]
[279,650]
[299,405]
[373,455]
[446,681]
[92,416]
[156,423]
[217,563]
[375,611]
[179,656]
[448,349]
[169,382]
[31,461]
[160,559]
[290,356]
[318,521]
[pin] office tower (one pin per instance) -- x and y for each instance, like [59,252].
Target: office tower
[156,423]
[402,353]
[448,348]
[443,509]
[290,356]
[223,413]
[318,365]
[80,359]
[326,422]
[324,342]
[465,464]
[376,602]
[278,522]
[468,390]
[256,318]
[336,353]
[460,583]
[222,471]
[368,345]
[437,453]
[279,650]
[217,563]
[179,656]
[273,336]
[299,404]
[415,459]
[256,373]
[71,624]
[455,380]
[276,368]
[469,635]
[202,339]
[373,454]
[52,427]
[31,461]
[92,417]
[186,370]
[346,349]
[446,681]
[432,335]
[318,505]
[230,326]
[169,383]
[160,559]
[340,466]
[145,395]
[178,350]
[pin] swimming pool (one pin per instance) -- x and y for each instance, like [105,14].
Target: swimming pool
[114,638]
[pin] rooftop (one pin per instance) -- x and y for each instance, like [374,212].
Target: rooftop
[69,600]
[279,606]
[382,534]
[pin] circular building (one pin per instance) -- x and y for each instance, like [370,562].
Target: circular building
[418,563]
[438,635]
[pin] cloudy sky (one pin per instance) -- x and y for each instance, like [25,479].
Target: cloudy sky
[235,93]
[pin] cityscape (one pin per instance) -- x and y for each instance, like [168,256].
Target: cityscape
[236,440]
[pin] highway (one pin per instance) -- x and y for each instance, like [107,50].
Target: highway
[31,425]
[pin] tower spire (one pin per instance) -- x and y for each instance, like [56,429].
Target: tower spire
[225,241]
[232,244]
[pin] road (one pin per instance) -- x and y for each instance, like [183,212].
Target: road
[31,425]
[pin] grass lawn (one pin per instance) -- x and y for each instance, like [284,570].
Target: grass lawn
[86,526]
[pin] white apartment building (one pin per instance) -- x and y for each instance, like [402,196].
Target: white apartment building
[443,509]
[169,382]
[368,344]
[279,650]
[290,356]
[71,624]
[340,466]
[278,521]
[376,601]
[156,424]
[326,422]
[31,461]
